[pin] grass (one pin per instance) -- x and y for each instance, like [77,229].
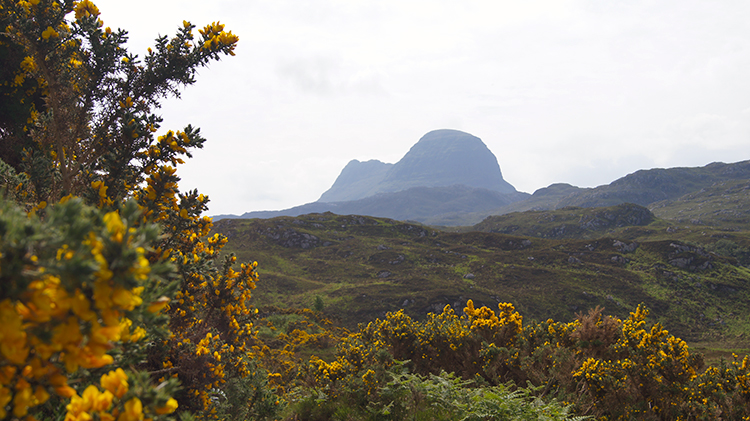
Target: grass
[713,355]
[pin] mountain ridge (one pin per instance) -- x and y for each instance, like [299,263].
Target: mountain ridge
[416,203]
[451,178]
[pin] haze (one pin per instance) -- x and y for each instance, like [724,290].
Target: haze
[581,92]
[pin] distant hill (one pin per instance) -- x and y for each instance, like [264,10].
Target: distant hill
[440,158]
[568,222]
[724,204]
[437,205]
[649,186]
[642,187]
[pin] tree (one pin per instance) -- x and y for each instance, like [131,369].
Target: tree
[109,241]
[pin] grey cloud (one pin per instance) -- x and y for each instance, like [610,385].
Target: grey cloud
[327,76]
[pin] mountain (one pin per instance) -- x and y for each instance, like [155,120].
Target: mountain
[444,158]
[356,181]
[440,158]
[447,178]
[451,178]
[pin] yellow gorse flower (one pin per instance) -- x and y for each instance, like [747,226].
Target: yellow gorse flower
[28,64]
[50,33]
[133,411]
[116,382]
[86,8]
[168,408]
[215,37]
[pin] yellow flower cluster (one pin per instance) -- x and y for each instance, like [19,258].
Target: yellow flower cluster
[112,404]
[215,38]
[212,333]
[600,376]
[328,371]
[370,381]
[85,8]
[65,319]
[495,328]
[443,341]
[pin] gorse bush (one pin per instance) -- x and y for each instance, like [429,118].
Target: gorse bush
[74,284]
[113,294]
[600,365]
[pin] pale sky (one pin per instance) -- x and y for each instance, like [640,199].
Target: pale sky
[580,92]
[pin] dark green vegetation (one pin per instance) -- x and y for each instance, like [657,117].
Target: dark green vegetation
[581,223]
[441,397]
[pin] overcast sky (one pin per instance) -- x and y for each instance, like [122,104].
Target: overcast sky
[580,92]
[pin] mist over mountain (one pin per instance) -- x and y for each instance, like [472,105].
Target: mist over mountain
[446,205]
[440,158]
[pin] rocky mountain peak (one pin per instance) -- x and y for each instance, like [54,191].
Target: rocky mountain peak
[440,158]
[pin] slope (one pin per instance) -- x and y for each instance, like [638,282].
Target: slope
[362,267]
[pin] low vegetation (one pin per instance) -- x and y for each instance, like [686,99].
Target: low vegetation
[362,267]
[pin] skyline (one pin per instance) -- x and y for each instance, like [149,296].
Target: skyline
[577,92]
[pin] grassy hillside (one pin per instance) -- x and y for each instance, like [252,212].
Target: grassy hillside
[649,186]
[725,205]
[644,187]
[580,223]
[363,267]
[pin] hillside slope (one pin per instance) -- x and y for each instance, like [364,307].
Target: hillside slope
[641,187]
[578,223]
[724,204]
[362,267]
